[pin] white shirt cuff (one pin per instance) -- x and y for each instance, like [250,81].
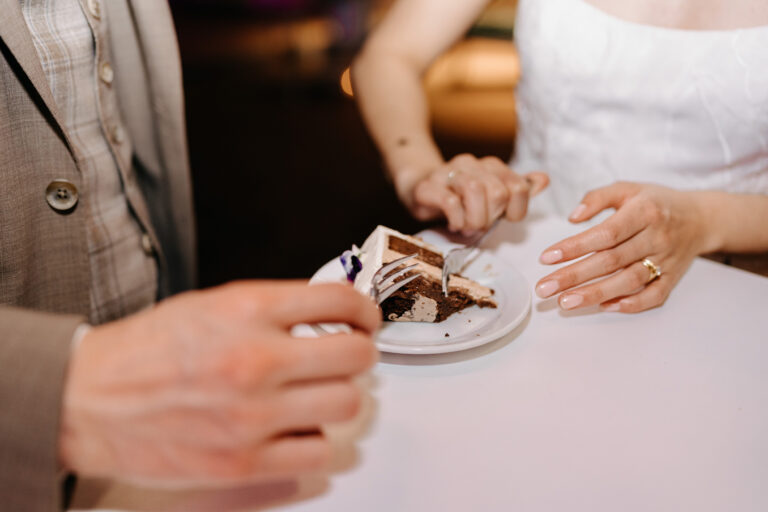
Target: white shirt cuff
[79,334]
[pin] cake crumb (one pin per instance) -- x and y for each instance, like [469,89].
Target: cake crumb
[469,320]
[447,335]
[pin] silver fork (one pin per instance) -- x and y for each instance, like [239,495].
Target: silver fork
[382,286]
[383,283]
[456,258]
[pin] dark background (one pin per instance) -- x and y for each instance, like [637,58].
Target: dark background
[285,175]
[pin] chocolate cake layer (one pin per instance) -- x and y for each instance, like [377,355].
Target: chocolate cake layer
[402,301]
[406,247]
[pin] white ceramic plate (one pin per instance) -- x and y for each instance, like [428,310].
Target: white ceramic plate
[466,329]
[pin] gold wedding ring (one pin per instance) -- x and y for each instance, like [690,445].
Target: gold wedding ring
[654,271]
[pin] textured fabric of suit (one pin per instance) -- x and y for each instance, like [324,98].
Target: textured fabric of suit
[44,263]
[74,50]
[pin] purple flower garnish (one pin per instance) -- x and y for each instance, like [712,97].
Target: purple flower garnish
[352,265]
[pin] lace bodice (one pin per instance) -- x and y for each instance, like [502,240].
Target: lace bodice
[602,99]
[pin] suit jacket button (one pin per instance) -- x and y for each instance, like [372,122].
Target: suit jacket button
[62,195]
[116,134]
[94,7]
[146,245]
[106,73]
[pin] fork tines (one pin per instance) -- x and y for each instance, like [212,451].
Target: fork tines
[385,285]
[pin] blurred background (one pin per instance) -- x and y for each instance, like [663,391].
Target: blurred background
[286,176]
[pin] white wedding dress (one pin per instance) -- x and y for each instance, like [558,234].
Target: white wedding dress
[602,99]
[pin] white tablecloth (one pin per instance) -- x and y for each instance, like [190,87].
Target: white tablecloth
[665,410]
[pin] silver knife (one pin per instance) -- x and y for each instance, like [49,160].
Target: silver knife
[456,258]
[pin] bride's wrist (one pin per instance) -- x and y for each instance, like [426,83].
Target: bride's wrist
[405,178]
[712,231]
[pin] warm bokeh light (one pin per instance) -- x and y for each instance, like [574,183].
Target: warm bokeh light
[346,83]
[471,90]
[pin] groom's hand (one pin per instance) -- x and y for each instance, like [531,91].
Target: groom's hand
[211,388]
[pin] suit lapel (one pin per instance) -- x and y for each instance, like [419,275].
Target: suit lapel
[157,39]
[14,33]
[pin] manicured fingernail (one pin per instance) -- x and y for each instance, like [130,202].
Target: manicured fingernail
[571,301]
[547,288]
[613,308]
[578,211]
[552,256]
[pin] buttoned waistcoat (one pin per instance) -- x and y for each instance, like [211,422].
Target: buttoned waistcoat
[44,264]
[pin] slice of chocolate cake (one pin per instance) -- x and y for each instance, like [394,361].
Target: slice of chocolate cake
[422,299]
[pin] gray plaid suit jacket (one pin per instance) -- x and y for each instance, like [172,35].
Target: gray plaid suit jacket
[44,264]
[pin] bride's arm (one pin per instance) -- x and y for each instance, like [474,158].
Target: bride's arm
[387,83]
[387,78]
[737,223]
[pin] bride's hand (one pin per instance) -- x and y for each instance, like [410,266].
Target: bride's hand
[472,192]
[659,225]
